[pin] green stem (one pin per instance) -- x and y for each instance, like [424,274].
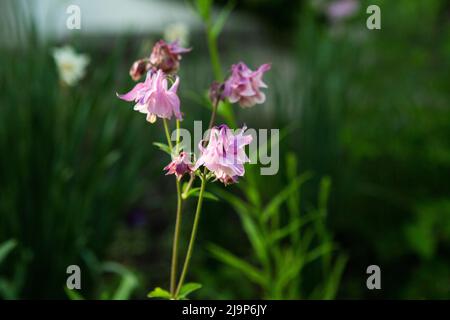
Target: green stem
[217,69]
[166,129]
[214,53]
[188,187]
[212,120]
[176,236]
[178,137]
[213,114]
[192,239]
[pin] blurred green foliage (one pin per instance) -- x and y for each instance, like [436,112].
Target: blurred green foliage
[69,166]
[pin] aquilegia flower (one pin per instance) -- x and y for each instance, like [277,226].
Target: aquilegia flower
[225,154]
[167,56]
[180,165]
[71,65]
[154,99]
[244,85]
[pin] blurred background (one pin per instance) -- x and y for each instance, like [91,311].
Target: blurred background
[364,153]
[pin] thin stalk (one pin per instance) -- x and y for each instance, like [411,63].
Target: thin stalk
[188,187]
[166,129]
[176,236]
[212,120]
[214,53]
[213,114]
[193,236]
[178,137]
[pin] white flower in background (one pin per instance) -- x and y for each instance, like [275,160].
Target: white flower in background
[339,10]
[71,65]
[177,31]
[336,10]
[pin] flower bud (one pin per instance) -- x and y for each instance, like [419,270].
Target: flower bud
[139,68]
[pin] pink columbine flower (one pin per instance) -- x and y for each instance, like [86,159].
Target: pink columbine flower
[339,10]
[225,154]
[244,85]
[180,165]
[167,56]
[154,99]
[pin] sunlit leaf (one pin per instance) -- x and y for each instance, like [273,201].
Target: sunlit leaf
[194,192]
[73,294]
[188,288]
[162,147]
[222,18]
[159,293]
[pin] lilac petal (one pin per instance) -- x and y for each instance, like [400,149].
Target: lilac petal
[131,95]
[174,86]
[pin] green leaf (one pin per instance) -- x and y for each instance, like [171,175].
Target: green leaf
[331,286]
[159,293]
[250,227]
[283,195]
[226,257]
[222,18]
[293,201]
[73,294]
[294,225]
[238,204]
[324,193]
[290,270]
[128,282]
[163,147]
[281,233]
[318,252]
[256,239]
[6,247]
[196,191]
[188,288]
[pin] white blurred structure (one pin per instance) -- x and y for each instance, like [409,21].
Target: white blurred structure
[115,17]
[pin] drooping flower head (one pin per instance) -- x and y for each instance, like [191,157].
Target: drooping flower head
[167,56]
[244,85]
[153,98]
[225,154]
[180,165]
[71,65]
